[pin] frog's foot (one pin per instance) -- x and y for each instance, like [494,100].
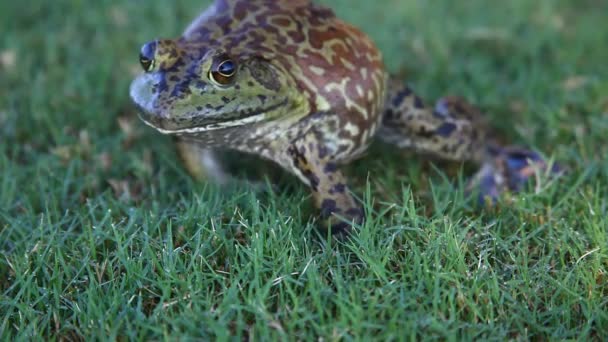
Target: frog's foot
[340,222]
[508,169]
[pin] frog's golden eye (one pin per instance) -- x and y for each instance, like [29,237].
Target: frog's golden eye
[146,56]
[223,72]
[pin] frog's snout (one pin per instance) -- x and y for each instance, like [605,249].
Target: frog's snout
[159,55]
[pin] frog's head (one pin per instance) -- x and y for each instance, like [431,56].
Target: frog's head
[190,89]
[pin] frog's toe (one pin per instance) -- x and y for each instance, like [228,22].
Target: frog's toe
[509,169]
[341,230]
[341,226]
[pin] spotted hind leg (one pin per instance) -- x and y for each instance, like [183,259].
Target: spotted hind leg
[456,130]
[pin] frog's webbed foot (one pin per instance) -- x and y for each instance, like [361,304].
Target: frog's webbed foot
[312,163]
[508,169]
[340,222]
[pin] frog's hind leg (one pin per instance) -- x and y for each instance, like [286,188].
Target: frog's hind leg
[456,130]
[408,123]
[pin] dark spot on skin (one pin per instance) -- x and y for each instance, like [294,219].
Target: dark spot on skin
[418,104]
[388,115]
[297,36]
[313,179]
[446,129]
[439,115]
[300,162]
[180,90]
[398,99]
[225,99]
[323,152]
[338,188]
[311,145]
[200,85]
[162,86]
[424,133]
[328,206]
[330,168]
[262,98]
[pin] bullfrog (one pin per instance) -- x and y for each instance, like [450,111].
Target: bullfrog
[288,81]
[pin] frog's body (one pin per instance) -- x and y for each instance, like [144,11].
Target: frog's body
[288,81]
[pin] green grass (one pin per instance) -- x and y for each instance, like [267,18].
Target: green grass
[102,233]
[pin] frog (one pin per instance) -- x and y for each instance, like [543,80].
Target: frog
[289,82]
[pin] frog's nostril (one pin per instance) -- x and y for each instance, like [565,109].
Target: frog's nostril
[146,56]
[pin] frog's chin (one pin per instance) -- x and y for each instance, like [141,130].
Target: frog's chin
[209,127]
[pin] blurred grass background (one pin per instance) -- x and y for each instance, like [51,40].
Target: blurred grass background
[102,233]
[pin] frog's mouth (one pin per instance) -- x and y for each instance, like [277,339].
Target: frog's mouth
[207,127]
[199,125]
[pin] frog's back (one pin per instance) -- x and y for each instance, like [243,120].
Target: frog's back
[335,65]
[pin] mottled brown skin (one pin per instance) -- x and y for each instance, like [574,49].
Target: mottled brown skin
[288,81]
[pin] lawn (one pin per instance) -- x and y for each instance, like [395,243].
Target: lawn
[104,235]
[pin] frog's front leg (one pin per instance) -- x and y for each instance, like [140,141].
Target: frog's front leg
[311,161]
[456,130]
[205,165]
[201,163]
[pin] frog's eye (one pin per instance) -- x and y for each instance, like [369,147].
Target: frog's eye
[223,72]
[146,56]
